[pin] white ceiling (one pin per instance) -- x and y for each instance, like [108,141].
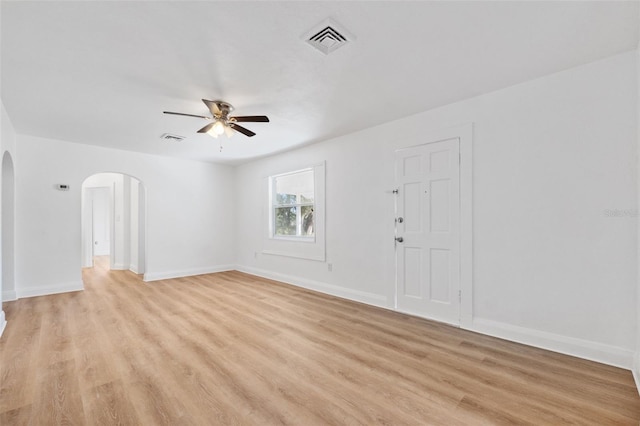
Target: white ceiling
[101,73]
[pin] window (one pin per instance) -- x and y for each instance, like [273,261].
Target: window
[294,212]
[293,204]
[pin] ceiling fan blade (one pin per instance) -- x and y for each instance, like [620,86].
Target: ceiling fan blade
[213,107]
[206,128]
[252,118]
[241,129]
[188,115]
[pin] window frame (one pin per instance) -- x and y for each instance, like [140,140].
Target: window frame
[305,247]
[298,204]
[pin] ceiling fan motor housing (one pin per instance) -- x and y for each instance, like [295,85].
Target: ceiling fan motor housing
[224,107]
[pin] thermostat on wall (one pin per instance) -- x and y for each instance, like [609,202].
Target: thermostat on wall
[62,187]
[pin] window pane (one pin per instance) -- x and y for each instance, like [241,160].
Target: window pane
[287,188]
[285,199]
[308,226]
[285,220]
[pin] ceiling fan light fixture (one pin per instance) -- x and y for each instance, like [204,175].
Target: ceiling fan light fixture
[218,128]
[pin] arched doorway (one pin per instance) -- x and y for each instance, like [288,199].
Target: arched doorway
[8,228]
[114,221]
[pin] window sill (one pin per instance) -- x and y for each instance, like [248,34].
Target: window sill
[294,239]
[296,254]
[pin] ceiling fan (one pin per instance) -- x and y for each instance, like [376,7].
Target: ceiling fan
[221,122]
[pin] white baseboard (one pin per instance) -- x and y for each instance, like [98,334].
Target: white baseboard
[50,289]
[8,296]
[636,369]
[118,267]
[334,290]
[155,276]
[599,352]
[133,269]
[3,322]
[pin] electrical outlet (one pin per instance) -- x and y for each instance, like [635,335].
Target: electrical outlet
[330,267]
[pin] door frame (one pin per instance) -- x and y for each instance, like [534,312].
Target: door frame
[464,133]
[87,226]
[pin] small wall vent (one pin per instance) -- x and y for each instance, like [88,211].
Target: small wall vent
[328,36]
[171,138]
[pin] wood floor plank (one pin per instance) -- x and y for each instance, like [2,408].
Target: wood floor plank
[108,404]
[19,350]
[58,399]
[17,417]
[232,348]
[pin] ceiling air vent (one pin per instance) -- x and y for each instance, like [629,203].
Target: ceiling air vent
[328,36]
[171,138]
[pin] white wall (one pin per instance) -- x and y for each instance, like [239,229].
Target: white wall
[7,133]
[7,144]
[134,234]
[636,364]
[554,174]
[123,223]
[190,221]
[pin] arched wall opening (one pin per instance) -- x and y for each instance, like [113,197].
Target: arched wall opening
[113,221]
[8,228]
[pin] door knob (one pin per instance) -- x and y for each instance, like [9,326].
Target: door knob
[400,220]
[399,239]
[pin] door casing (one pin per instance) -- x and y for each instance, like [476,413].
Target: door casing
[428,230]
[465,134]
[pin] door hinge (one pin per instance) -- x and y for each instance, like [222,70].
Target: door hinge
[459,295]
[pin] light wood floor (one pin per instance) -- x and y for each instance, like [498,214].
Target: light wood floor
[231,348]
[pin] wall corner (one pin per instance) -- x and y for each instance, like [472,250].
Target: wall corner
[3,322]
[636,356]
[636,370]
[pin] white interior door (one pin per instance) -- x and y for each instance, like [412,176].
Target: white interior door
[100,221]
[428,225]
